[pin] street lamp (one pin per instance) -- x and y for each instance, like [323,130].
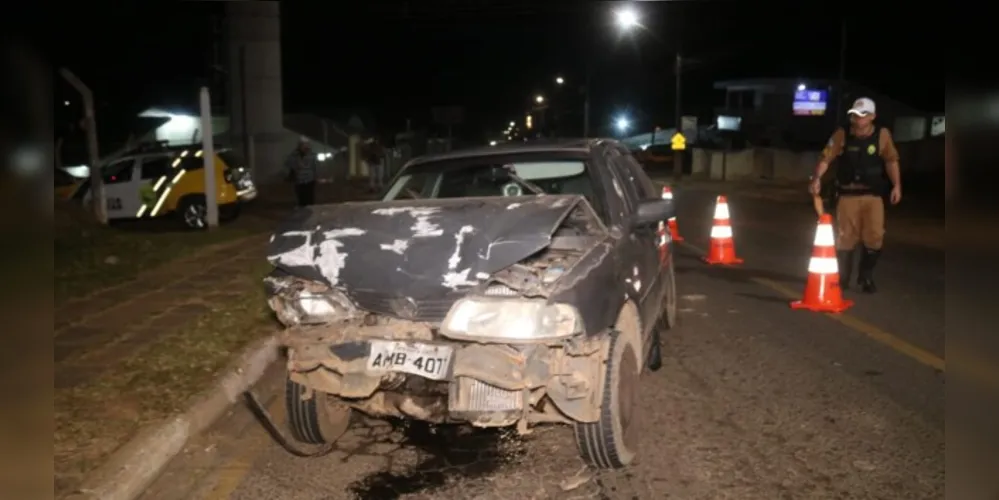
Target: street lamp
[626,18]
[513,124]
[622,124]
[539,99]
[559,80]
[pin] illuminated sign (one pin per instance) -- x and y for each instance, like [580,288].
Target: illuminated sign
[810,102]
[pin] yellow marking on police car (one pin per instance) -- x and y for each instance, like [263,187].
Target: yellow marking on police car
[159,204]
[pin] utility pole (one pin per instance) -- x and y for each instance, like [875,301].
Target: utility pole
[208,147]
[678,71]
[678,154]
[97,197]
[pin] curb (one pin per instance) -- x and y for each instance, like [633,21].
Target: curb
[127,473]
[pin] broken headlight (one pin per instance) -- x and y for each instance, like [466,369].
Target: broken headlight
[505,320]
[293,305]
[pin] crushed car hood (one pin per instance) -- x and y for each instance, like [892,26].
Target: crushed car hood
[416,248]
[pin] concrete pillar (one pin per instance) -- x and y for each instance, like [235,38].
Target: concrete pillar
[253,50]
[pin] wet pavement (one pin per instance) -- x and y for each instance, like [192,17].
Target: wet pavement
[755,401]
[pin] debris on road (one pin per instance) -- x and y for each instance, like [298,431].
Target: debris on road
[576,480]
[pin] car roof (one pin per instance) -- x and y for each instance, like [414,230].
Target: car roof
[541,146]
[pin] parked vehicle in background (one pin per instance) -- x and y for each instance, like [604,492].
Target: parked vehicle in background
[656,156]
[503,286]
[161,181]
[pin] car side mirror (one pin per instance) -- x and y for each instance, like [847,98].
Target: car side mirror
[652,212]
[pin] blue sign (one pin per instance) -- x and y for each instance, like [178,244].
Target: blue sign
[810,102]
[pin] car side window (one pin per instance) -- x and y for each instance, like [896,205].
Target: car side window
[410,186]
[155,167]
[623,183]
[119,171]
[637,176]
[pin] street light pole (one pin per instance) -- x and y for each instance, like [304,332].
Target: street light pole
[678,155]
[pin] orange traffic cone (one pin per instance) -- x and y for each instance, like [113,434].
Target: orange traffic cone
[673,230]
[722,250]
[822,291]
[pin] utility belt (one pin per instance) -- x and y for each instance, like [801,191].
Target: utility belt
[858,190]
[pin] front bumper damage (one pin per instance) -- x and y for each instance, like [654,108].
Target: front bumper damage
[486,385]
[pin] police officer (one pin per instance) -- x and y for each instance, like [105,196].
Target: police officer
[867,167]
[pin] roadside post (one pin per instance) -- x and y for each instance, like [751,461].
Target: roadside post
[679,143]
[97,195]
[208,147]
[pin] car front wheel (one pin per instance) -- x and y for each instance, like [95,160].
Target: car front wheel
[315,419]
[611,442]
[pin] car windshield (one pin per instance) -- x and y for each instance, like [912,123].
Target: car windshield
[489,178]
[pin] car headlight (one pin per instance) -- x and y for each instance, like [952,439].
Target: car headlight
[302,307]
[506,320]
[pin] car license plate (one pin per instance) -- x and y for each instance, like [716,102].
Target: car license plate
[425,360]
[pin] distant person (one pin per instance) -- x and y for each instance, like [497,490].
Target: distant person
[866,154]
[301,167]
[375,158]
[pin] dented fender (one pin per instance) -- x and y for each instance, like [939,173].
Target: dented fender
[577,388]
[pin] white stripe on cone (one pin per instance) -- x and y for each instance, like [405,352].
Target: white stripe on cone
[721,211]
[824,236]
[667,195]
[721,232]
[823,265]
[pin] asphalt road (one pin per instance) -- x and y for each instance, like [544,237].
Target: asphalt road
[755,401]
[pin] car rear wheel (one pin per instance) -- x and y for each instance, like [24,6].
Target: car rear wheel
[668,319]
[611,442]
[193,211]
[316,419]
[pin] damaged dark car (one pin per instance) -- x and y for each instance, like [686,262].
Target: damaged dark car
[506,286]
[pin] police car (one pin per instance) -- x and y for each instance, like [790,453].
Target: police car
[161,181]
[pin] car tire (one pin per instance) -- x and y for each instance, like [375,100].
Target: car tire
[193,212]
[667,320]
[314,419]
[611,441]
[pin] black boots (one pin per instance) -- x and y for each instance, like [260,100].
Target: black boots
[845,264]
[865,275]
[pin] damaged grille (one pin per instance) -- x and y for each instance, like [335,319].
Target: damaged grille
[468,394]
[431,311]
[498,290]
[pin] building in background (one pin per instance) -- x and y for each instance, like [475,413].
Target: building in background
[799,113]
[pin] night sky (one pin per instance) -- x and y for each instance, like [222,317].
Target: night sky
[492,57]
